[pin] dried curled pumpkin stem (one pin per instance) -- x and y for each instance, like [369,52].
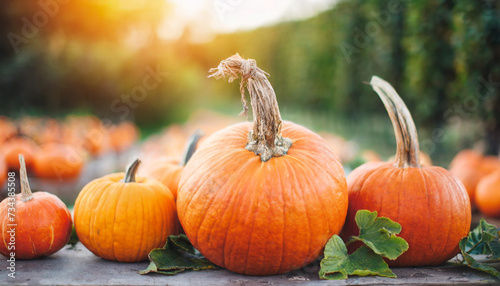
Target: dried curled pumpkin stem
[131,171]
[265,140]
[26,194]
[406,133]
[191,146]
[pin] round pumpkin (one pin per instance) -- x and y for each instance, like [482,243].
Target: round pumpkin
[431,205]
[57,161]
[488,195]
[261,199]
[122,218]
[19,145]
[42,222]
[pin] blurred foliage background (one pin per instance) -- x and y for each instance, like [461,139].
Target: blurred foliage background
[107,58]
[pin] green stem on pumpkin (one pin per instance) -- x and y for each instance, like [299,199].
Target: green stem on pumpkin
[265,140]
[191,146]
[26,194]
[131,171]
[404,128]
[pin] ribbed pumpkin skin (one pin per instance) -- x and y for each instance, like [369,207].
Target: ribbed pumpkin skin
[431,205]
[124,221]
[262,218]
[43,226]
[488,195]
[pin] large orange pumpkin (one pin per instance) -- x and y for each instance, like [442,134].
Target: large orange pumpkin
[264,203]
[120,217]
[431,205]
[42,222]
[488,194]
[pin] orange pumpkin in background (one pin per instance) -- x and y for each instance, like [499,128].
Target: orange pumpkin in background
[43,222]
[469,166]
[19,145]
[93,133]
[428,202]
[7,129]
[3,171]
[168,170]
[123,136]
[120,217]
[264,202]
[51,132]
[489,164]
[488,194]
[58,161]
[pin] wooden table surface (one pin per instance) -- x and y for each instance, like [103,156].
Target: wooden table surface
[78,266]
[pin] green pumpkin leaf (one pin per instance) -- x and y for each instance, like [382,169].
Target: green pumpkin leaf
[73,239]
[178,255]
[379,234]
[483,240]
[338,264]
[472,263]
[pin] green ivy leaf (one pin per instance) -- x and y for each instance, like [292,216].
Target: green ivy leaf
[338,264]
[176,256]
[379,234]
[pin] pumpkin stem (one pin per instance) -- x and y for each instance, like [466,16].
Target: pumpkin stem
[404,128]
[265,139]
[26,194]
[131,171]
[191,146]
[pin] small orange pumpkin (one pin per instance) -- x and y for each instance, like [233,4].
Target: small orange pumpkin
[57,161]
[122,218]
[261,200]
[488,194]
[167,170]
[428,202]
[42,222]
